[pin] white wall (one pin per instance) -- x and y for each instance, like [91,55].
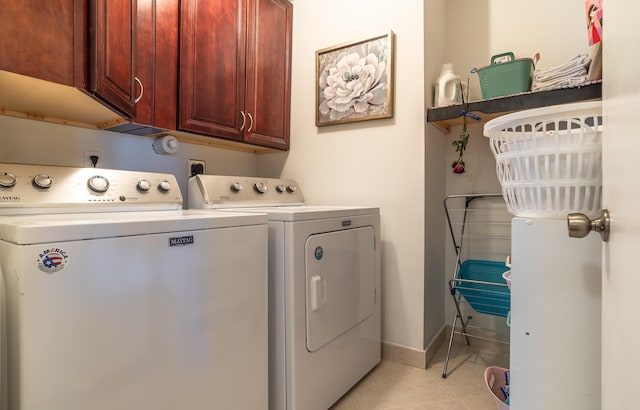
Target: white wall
[36,142]
[479,177]
[437,145]
[400,164]
[377,162]
[477,30]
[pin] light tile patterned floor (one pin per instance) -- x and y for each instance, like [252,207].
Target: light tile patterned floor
[393,386]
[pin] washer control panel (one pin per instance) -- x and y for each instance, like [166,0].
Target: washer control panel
[220,191]
[40,186]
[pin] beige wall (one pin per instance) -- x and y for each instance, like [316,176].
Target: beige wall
[400,164]
[36,142]
[476,31]
[437,147]
[377,162]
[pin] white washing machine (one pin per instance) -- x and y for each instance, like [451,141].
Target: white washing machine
[116,298]
[324,287]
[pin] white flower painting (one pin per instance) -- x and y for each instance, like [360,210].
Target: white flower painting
[354,81]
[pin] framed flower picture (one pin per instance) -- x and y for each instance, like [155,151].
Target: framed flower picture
[354,81]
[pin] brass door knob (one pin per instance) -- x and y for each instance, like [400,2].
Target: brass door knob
[580,225]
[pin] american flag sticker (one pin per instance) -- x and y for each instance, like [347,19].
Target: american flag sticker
[52,260]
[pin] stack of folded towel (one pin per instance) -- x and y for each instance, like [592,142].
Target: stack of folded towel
[570,74]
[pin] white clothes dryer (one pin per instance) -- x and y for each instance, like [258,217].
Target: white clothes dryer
[116,298]
[324,287]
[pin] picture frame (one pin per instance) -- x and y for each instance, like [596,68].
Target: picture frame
[354,81]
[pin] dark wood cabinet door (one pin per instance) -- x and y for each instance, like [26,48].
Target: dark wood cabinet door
[112,68]
[212,67]
[157,62]
[269,73]
[44,39]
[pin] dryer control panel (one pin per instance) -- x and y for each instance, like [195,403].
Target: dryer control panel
[223,191]
[24,188]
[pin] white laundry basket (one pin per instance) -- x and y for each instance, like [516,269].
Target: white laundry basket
[549,160]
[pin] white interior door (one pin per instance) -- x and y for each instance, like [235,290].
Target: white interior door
[621,148]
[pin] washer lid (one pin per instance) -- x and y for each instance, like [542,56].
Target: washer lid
[32,229]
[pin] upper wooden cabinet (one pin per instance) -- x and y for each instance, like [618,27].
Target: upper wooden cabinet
[157,62]
[268,75]
[84,44]
[235,70]
[112,68]
[44,39]
[218,68]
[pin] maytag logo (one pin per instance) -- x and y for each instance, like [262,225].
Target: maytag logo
[9,198]
[181,240]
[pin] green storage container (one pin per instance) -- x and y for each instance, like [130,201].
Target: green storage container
[500,79]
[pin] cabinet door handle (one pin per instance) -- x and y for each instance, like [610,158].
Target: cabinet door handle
[244,120]
[250,122]
[139,97]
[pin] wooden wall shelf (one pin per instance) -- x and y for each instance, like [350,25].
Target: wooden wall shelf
[445,117]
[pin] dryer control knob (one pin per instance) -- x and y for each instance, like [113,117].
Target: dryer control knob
[143,185]
[261,187]
[236,187]
[280,188]
[98,183]
[7,180]
[164,186]
[291,188]
[42,181]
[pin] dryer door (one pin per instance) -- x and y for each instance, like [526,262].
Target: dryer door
[340,270]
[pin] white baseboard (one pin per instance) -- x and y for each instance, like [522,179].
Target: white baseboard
[413,357]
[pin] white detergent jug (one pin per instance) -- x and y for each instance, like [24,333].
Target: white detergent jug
[448,89]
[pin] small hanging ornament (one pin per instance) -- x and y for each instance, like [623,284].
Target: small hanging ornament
[463,140]
[461,145]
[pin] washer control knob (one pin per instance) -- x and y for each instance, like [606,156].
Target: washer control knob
[261,187]
[143,185]
[98,183]
[236,187]
[7,180]
[164,185]
[280,188]
[291,188]
[42,181]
